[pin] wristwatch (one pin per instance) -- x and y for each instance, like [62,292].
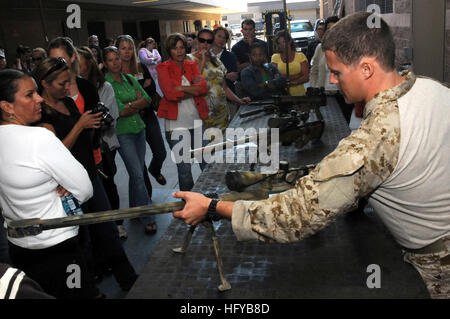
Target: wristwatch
[211,213]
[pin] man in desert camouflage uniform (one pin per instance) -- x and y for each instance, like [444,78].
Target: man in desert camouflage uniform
[398,158]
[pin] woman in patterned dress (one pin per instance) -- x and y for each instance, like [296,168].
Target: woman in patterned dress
[214,73]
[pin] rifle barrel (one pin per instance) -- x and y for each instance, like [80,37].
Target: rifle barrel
[35,226]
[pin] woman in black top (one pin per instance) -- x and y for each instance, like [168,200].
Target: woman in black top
[60,114]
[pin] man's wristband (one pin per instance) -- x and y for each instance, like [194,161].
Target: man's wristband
[211,212]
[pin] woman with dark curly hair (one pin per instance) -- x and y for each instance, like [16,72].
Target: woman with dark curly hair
[36,169]
[298,64]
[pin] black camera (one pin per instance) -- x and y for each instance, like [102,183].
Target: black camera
[107,119]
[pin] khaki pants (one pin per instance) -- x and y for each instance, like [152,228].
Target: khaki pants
[434,269]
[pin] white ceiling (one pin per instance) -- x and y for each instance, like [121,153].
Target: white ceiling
[204,6]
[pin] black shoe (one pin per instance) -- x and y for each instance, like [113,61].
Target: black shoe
[159,178]
[151,228]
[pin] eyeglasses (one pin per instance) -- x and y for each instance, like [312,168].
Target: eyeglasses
[37,59]
[202,40]
[60,64]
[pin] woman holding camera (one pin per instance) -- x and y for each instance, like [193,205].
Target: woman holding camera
[89,70]
[80,90]
[61,115]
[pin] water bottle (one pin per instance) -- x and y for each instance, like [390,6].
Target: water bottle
[71,205]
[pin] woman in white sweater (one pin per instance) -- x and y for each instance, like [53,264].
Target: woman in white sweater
[35,169]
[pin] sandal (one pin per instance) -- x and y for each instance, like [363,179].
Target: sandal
[151,228]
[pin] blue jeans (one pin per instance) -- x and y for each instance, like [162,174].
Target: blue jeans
[132,151]
[185,179]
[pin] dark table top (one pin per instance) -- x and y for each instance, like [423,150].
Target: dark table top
[334,263]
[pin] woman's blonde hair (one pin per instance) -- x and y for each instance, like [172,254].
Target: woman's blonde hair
[66,44]
[133,62]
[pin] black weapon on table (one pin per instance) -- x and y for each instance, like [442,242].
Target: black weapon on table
[293,129]
[282,105]
[292,114]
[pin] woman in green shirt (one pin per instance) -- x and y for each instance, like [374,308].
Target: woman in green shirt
[131,98]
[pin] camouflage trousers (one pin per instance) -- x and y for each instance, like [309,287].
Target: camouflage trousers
[434,269]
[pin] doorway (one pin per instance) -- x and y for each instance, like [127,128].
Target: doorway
[97,28]
[130,28]
[151,29]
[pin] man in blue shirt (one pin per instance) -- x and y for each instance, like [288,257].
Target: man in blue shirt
[242,48]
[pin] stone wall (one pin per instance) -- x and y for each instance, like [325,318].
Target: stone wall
[400,22]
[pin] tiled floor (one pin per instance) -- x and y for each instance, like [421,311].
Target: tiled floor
[140,246]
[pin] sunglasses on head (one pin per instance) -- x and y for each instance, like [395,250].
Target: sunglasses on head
[60,63]
[202,40]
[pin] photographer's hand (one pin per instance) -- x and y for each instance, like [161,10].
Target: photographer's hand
[86,121]
[89,120]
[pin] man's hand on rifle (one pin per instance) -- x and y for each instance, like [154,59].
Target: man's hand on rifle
[197,205]
[195,209]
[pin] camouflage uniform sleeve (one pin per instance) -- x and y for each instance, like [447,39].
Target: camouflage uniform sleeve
[359,164]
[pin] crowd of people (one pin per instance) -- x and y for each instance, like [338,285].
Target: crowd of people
[53,132]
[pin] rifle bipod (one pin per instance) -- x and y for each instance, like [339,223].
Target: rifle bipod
[225,285]
[208,223]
